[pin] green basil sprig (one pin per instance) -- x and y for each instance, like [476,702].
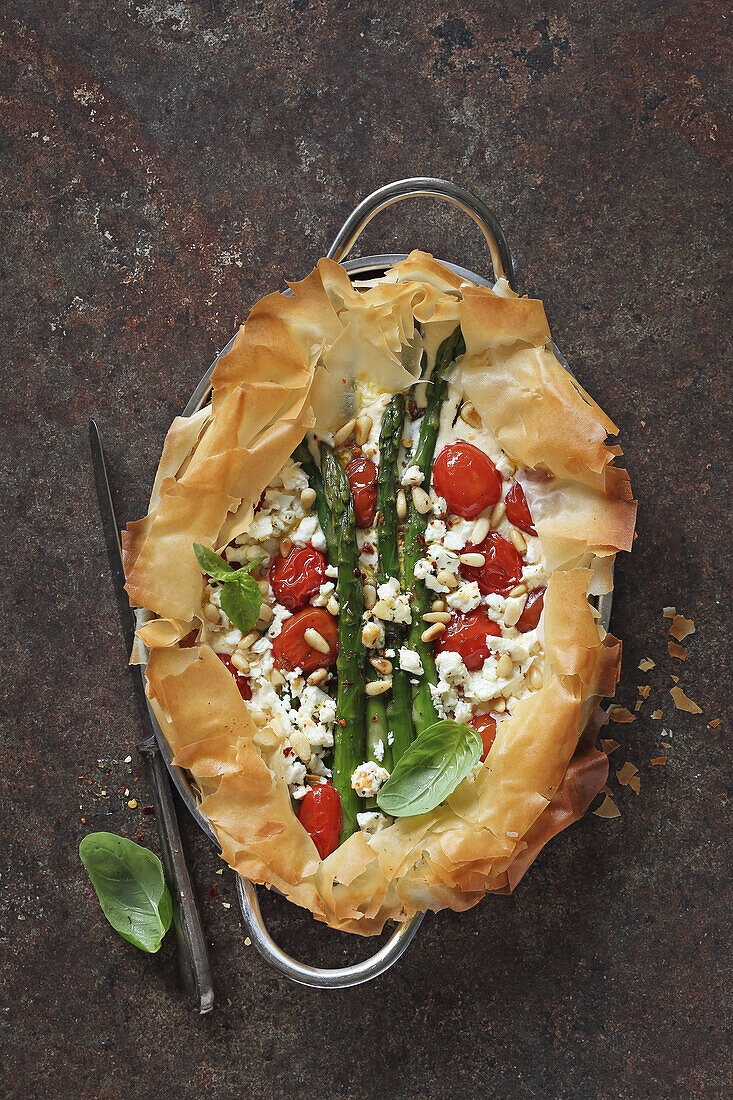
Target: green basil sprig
[130,886]
[430,769]
[241,598]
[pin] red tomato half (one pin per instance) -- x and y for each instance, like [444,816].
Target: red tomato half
[297,577]
[467,635]
[290,649]
[362,475]
[502,569]
[242,682]
[517,509]
[320,816]
[486,726]
[532,610]
[466,478]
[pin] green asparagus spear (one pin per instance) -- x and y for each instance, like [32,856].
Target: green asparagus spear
[378,723]
[350,698]
[424,713]
[302,454]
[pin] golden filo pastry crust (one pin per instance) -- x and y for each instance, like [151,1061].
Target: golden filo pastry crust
[293,367]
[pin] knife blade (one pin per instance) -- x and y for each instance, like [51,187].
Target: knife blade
[192,953]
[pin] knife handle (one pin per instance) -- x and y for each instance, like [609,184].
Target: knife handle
[192,953]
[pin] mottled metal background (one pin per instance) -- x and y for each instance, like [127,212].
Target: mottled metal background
[163,166]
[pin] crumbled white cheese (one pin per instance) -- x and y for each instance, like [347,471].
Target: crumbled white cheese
[413,475]
[379,750]
[368,778]
[324,594]
[443,558]
[293,477]
[392,605]
[435,531]
[439,506]
[465,598]
[422,568]
[459,534]
[332,572]
[410,661]
[372,822]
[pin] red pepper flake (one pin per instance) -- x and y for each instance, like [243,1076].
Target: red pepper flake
[342,721]
[287,751]
[213,892]
[413,411]
[140,836]
[148,809]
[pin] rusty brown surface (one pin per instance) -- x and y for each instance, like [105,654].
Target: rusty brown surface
[164,165]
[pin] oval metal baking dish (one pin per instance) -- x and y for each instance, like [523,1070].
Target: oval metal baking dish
[365,267]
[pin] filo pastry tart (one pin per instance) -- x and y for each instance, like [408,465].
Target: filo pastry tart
[366,569]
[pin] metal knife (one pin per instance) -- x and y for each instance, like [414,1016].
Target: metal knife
[192,953]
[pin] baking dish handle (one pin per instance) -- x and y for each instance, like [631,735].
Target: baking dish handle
[419,187]
[320,977]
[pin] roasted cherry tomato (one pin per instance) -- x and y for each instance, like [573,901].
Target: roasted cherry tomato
[297,577]
[291,650]
[517,509]
[467,635]
[532,610]
[466,478]
[362,475]
[242,682]
[486,726]
[502,569]
[320,816]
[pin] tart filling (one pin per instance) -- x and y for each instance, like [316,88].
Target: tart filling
[367,566]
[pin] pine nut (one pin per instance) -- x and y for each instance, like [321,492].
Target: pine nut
[438,605]
[535,679]
[432,632]
[401,504]
[381,664]
[307,499]
[448,579]
[498,706]
[248,639]
[437,617]
[469,415]
[315,640]
[370,596]
[363,428]
[475,561]
[277,679]
[317,677]
[259,718]
[344,433]
[378,687]
[498,513]
[332,607]
[264,587]
[504,666]
[266,614]
[371,634]
[240,661]
[421,500]
[286,545]
[211,611]
[517,540]
[481,529]
[301,745]
[519,590]
[406,443]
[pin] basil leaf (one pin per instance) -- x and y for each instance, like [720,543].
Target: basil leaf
[211,563]
[241,600]
[431,769]
[130,886]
